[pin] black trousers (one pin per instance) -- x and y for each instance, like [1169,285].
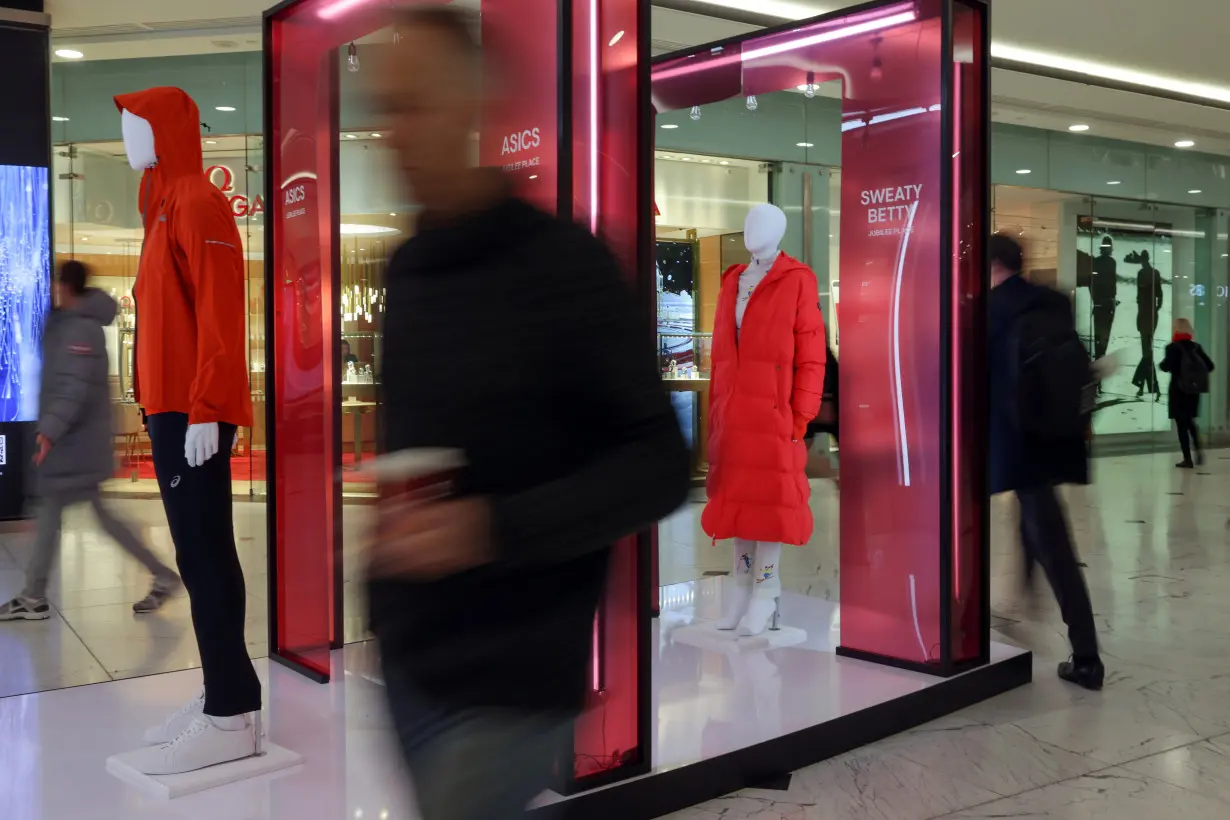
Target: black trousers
[1045,537]
[1103,320]
[1188,436]
[197,501]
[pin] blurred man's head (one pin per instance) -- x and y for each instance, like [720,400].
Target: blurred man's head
[430,89]
[70,282]
[1007,259]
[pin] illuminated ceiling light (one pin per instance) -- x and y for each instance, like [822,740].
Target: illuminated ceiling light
[225,108]
[69,53]
[351,137]
[723,162]
[1076,65]
[377,136]
[686,159]
[805,145]
[1195,191]
[752,103]
[211,142]
[694,113]
[706,161]
[1114,182]
[59,119]
[1078,128]
[352,58]
[670,126]
[392,214]
[348,229]
[1024,171]
[1185,144]
[619,35]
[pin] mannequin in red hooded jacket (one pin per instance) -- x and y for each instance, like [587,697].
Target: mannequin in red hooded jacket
[191,380]
[767,382]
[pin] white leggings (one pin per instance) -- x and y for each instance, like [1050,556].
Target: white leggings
[757,561]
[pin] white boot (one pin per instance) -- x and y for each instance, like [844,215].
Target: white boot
[767,591]
[176,722]
[207,741]
[738,593]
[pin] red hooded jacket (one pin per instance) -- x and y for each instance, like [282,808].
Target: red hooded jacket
[766,386]
[190,289]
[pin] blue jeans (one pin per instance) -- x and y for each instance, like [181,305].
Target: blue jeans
[475,763]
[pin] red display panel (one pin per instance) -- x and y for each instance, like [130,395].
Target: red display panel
[610,195]
[520,132]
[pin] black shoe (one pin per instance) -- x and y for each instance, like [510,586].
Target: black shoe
[1087,674]
[1185,465]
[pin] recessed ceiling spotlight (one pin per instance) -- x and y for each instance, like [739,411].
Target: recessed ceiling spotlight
[670,126]
[1114,182]
[706,161]
[1078,128]
[1184,143]
[1195,191]
[377,136]
[686,159]
[351,137]
[59,119]
[226,108]
[723,162]
[805,144]
[211,142]
[69,53]
[1023,171]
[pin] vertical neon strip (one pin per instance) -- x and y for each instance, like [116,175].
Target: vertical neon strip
[955,328]
[594,136]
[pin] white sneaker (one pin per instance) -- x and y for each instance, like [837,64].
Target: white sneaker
[736,597]
[176,722]
[203,743]
[759,613]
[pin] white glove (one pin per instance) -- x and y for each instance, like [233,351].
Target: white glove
[201,443]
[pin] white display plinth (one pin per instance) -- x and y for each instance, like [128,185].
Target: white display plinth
[707,636]
[275,759]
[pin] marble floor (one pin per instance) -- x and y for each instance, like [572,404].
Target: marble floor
[1155,743]
[93,635]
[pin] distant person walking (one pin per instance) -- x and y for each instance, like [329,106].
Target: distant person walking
[1041,394]
[74,445]
[1189,368]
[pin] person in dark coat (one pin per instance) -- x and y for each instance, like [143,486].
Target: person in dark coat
[1032,469]
[1184,405]
[75,449]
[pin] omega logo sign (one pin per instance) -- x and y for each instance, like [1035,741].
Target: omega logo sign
[224,178]
[521,141]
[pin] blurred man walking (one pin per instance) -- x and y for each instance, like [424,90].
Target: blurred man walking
[484,602]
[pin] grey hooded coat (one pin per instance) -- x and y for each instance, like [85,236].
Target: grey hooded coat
[75,397]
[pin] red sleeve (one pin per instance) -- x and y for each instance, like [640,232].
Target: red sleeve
[810,351]
[206,235]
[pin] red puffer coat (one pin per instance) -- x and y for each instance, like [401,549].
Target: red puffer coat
[766,385]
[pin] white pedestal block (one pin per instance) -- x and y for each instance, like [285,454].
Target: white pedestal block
[708,636]
[274,759]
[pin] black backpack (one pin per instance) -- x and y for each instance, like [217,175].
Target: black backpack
[1193,375]
[1056,390]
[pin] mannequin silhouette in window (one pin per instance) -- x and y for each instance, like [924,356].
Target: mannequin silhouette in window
[1148,306]
[1103,288]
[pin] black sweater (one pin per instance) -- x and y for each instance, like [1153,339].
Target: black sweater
[511,336]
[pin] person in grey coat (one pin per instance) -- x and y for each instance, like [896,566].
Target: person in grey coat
[74,446]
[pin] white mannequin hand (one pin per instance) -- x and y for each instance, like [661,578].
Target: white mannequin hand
[201,443]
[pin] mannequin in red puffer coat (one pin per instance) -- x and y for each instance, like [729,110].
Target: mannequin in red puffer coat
[767,380]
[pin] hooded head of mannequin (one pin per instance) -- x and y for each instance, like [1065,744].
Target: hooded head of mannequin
[138,141]
[763,231]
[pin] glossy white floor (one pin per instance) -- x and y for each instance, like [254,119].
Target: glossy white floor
[1156,741]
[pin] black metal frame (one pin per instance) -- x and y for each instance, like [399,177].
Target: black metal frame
[945,666]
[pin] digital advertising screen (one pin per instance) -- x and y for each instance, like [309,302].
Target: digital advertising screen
[25,254]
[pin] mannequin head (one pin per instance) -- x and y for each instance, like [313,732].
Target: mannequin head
[1108,246]
[763,230]
[138,141]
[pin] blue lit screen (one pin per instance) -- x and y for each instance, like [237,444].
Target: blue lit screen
[25,287]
